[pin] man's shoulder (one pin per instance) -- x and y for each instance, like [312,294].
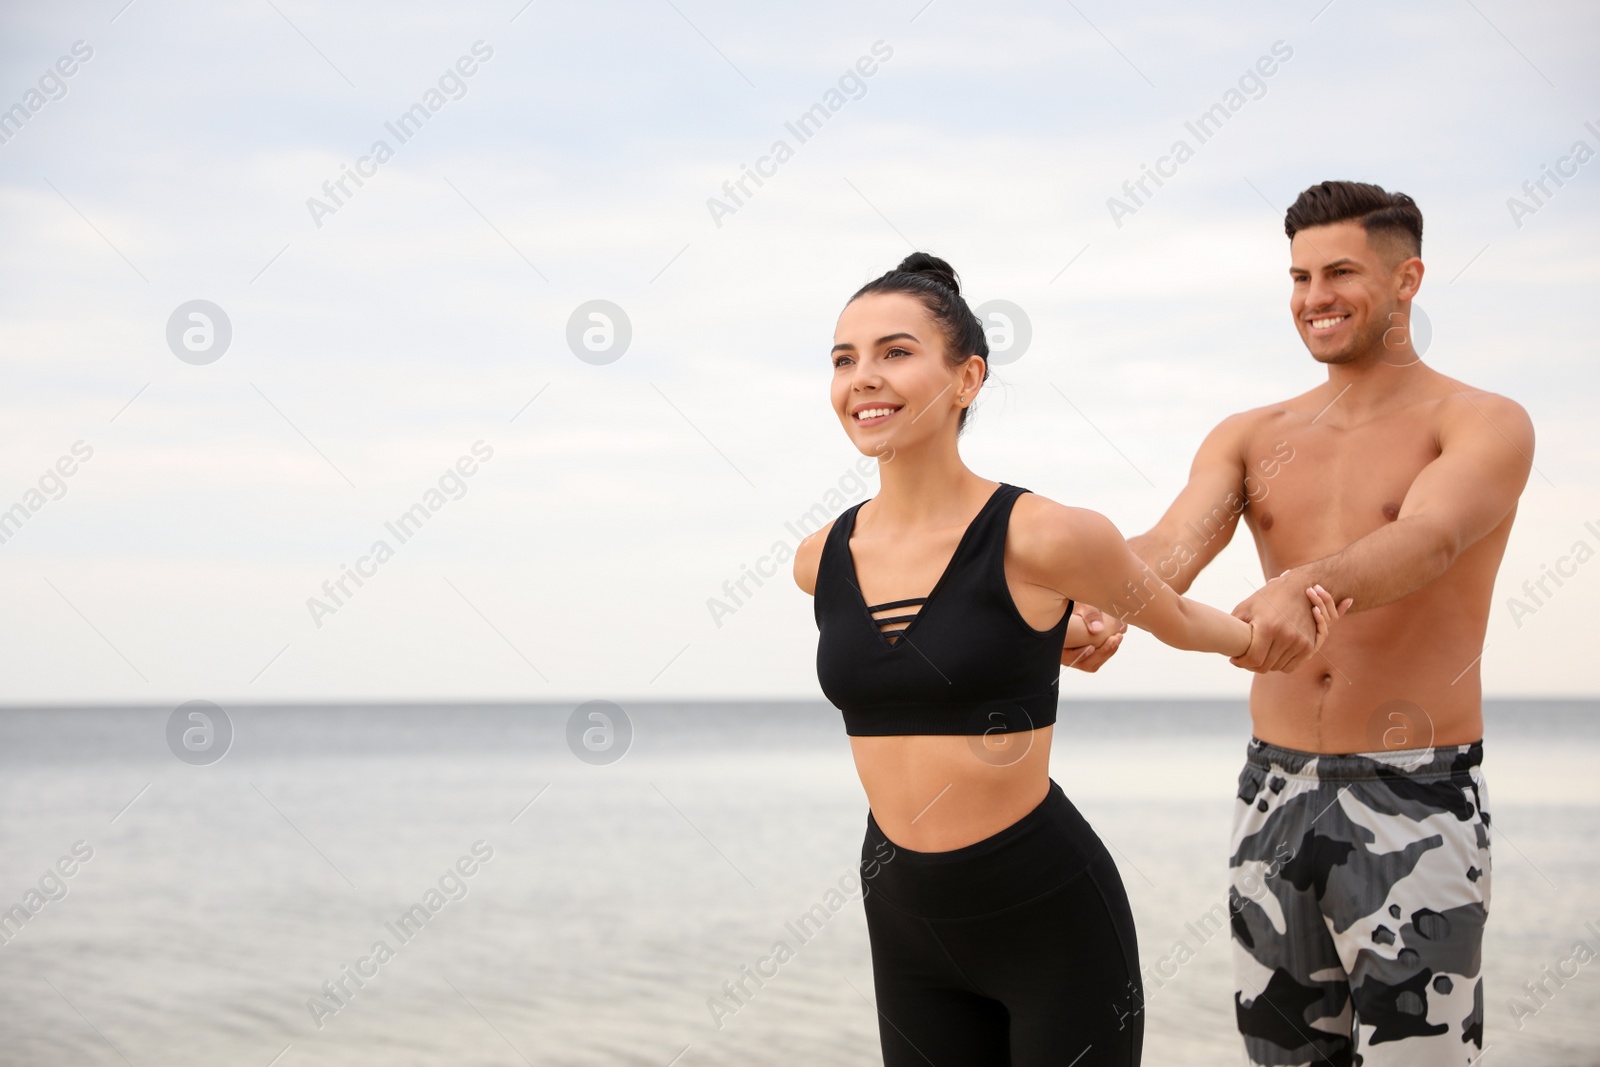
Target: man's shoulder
[1465,413]
[1457,399]
[1244,426]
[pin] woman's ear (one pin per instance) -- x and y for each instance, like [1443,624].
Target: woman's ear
[973,371]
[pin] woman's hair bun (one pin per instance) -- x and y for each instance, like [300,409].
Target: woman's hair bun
[932,267]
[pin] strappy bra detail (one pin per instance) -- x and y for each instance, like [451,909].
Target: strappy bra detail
[966,662]
[898,603]
[895,618]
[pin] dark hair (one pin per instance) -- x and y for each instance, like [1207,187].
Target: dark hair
[1384,215]
[934,282]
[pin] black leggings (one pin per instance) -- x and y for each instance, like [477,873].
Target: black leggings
[1016,950]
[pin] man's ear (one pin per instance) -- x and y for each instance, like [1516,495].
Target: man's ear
[1408,277]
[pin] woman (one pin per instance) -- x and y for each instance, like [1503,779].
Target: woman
[999,927]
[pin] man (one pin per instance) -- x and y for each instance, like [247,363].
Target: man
[1393,486]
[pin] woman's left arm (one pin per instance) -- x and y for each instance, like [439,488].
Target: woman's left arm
[1080,553]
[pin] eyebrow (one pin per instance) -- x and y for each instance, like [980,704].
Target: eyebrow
[1346,261]
[880,342]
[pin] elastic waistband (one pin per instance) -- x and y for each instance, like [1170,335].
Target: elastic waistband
[1039,852]
[1440,761]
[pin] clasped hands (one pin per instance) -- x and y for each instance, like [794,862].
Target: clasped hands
[1289,621]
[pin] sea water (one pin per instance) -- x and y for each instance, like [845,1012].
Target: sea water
[536,907]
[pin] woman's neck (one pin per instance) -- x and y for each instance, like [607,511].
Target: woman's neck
[917,490]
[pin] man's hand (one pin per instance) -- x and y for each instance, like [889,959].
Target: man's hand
[1105,637]
[1283,627]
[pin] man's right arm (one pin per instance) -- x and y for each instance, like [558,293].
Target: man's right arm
[1201,521]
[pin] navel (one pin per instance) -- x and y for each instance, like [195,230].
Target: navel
[1266,520]
[1391,511]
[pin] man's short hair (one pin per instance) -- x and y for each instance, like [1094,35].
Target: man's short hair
[1389,218]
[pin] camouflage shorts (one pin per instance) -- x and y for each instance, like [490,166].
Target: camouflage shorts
[1359,890]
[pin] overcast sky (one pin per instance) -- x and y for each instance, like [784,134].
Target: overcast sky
[559,154]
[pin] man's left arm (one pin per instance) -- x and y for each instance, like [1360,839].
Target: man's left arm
[1486,451]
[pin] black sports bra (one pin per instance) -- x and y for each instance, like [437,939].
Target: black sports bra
[967,662]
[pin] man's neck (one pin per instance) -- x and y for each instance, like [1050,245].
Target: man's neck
[1377,382]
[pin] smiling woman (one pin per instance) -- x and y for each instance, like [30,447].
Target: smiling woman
[999,927]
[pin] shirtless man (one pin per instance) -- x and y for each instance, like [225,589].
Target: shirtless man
[1395,486]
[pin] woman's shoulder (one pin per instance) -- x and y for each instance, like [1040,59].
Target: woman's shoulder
[1042,529]
[1037,512]
[808,557]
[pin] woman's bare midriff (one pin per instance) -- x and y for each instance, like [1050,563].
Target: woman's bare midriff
[937,792]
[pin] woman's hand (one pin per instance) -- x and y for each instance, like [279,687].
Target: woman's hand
[1325,611]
